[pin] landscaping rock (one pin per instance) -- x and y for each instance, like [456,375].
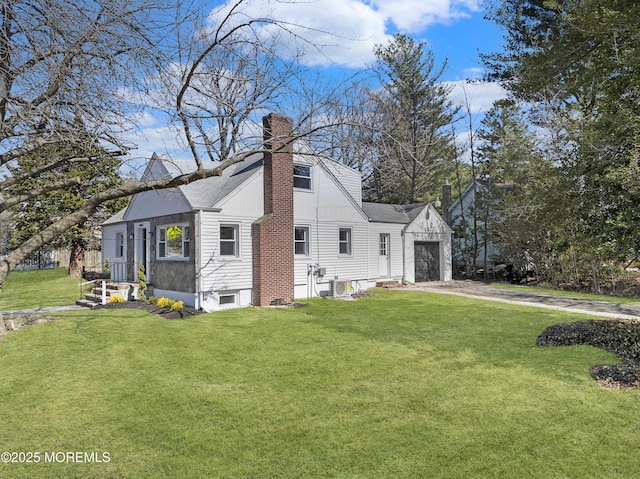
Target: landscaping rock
[14,323]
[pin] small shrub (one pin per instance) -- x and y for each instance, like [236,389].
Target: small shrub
[142,282]
[106,268]
[152,300]
[116,298]
[164,303]
[177,306]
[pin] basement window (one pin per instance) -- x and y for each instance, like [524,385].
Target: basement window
[227,299]
[302,177]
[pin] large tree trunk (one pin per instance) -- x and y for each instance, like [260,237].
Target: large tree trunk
[76,259]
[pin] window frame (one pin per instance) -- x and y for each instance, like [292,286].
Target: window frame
[235,241]
[348,242]
[228,294]
[384,240]
[304,178]
[162,243]
[121,248]
[306,242]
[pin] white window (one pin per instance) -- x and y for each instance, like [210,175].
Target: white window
[120,244]
[344,241]
[302,177]
[174,242]
[384,244]
[301,240]
[229,240]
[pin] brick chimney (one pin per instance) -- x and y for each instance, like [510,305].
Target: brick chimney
[272,235]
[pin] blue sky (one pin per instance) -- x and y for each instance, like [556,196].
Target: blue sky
[461,41]
[349,29]
[455,30]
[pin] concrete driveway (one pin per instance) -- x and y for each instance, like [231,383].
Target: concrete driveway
[481,290]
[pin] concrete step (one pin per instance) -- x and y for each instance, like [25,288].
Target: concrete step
[96,298]
[87,303]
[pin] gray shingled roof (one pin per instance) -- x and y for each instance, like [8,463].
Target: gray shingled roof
[117,218]
[210,191]
[402,214]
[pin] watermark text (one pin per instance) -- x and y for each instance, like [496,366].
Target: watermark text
[55,457]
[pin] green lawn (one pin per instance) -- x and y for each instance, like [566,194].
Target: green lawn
[398,385]
[35,289]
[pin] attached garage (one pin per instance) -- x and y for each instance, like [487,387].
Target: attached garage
[423,252]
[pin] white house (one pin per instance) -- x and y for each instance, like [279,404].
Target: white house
[271,229]
[466,214]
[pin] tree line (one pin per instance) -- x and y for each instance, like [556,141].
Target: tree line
[567,140]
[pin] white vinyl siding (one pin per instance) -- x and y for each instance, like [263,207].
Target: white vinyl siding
[394,249]
[325,253]
[348,177]
[110,243]
[225,273]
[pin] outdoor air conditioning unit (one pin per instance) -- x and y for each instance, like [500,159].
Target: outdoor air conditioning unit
[340,288]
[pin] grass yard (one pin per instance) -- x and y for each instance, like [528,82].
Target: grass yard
[35,289]
[397,385]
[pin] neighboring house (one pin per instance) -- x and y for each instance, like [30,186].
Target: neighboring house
[272,228]
[466,214]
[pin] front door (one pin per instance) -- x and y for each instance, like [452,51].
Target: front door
[142,249]
[384,257]
[427,261]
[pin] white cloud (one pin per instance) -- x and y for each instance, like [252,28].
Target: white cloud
[478,95]
[475,98]
[153,134]
[414,15]
[348,30]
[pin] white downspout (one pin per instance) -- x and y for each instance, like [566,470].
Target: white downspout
[404,255]
[197,223]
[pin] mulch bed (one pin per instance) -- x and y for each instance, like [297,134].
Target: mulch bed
[165,313]
[620,337]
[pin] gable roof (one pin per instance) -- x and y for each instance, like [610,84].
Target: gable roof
[117,218]
[401,214]
[208,192]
